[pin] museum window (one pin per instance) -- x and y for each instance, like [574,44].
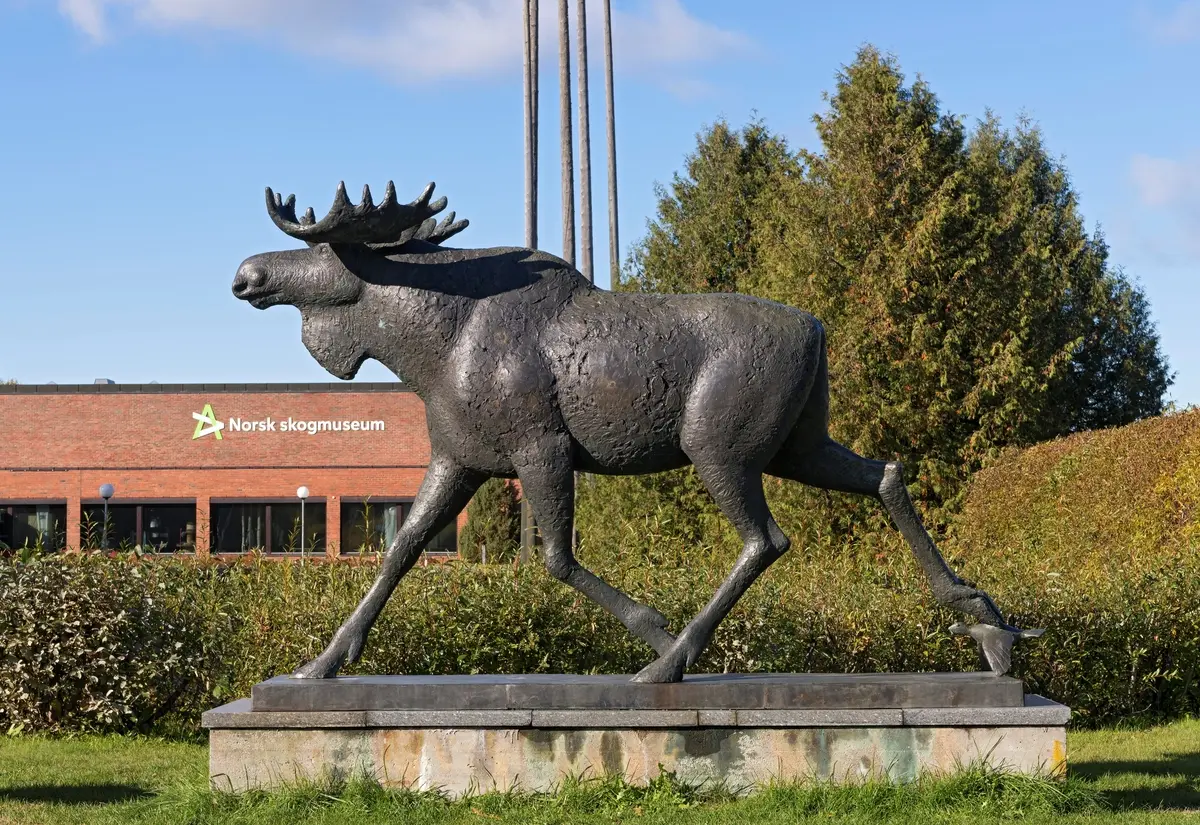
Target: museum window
[446,542]
[33,526]
[370,525]
[167,527]
[286,526]
[268,527]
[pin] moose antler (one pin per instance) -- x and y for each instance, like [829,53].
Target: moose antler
[429,231]
[388,225]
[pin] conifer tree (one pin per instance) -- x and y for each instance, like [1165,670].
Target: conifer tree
[968,308]
[494,522]
[967,305]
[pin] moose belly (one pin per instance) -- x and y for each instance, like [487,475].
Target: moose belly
[623,412]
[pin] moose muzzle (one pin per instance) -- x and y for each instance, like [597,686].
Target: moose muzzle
[251,284]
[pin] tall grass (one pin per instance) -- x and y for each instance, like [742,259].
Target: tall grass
[974,790]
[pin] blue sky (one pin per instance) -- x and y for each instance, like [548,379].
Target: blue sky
[136,137]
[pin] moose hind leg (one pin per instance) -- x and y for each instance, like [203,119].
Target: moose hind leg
[832,466]
[738,491]
[446,489]
[549,483]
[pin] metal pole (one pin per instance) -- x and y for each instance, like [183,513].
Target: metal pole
[585,186]
[564,129]
[585,152]
[107,491]
[302,494]
[534,128]
[530,20]
[614,246]
[529,10]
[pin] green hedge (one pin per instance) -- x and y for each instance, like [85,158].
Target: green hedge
[180,637]
[1092,537]
[1108,501]
[90,643]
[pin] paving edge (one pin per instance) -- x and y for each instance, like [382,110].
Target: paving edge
[1037,712]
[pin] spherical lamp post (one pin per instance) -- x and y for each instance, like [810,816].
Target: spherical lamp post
[106,492]
[302,494]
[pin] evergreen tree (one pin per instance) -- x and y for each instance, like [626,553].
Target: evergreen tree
[706,236]
[494,522]
[967,307]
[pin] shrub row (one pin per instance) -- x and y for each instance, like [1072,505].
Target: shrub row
[121,644]
[1109,500]
[94,643]
[1092,537]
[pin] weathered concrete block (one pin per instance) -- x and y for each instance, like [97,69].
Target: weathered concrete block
[702,691]
[833,718]
[711,718]
[586,719]
[531,732]
[459,761]
[1038,712]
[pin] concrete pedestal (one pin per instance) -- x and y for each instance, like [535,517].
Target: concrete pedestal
[474,734]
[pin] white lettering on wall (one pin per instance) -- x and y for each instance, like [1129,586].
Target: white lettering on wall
[293,425]
[241,425]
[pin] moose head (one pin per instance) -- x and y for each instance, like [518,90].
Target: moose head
[324,274]
[327,279]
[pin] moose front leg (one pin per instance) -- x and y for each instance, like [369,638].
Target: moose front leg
[445,491]
[548,480]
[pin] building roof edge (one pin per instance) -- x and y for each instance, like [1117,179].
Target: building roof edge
[107,389]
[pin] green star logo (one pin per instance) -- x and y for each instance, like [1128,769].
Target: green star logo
[207,423]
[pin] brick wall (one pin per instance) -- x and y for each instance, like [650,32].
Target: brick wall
[154,430]
[62,446]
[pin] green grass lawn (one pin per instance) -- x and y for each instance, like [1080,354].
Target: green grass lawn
[1121,776]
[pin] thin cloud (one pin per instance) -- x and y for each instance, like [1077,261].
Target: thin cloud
[413,41]
[87,15]
[1165,182]
[1169,189]
[1179,25]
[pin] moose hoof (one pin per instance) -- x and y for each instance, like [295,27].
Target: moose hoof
[321,667]
[995,643]
[327,665]
[662,670]
[650,625]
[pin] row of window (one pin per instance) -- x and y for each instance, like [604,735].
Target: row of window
[34,525]
[272,527]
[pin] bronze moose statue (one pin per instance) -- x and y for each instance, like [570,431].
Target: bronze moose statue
[529,371]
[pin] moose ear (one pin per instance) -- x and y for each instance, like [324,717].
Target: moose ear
[354,257]
[344,252]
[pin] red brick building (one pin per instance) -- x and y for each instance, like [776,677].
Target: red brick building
[211,468]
